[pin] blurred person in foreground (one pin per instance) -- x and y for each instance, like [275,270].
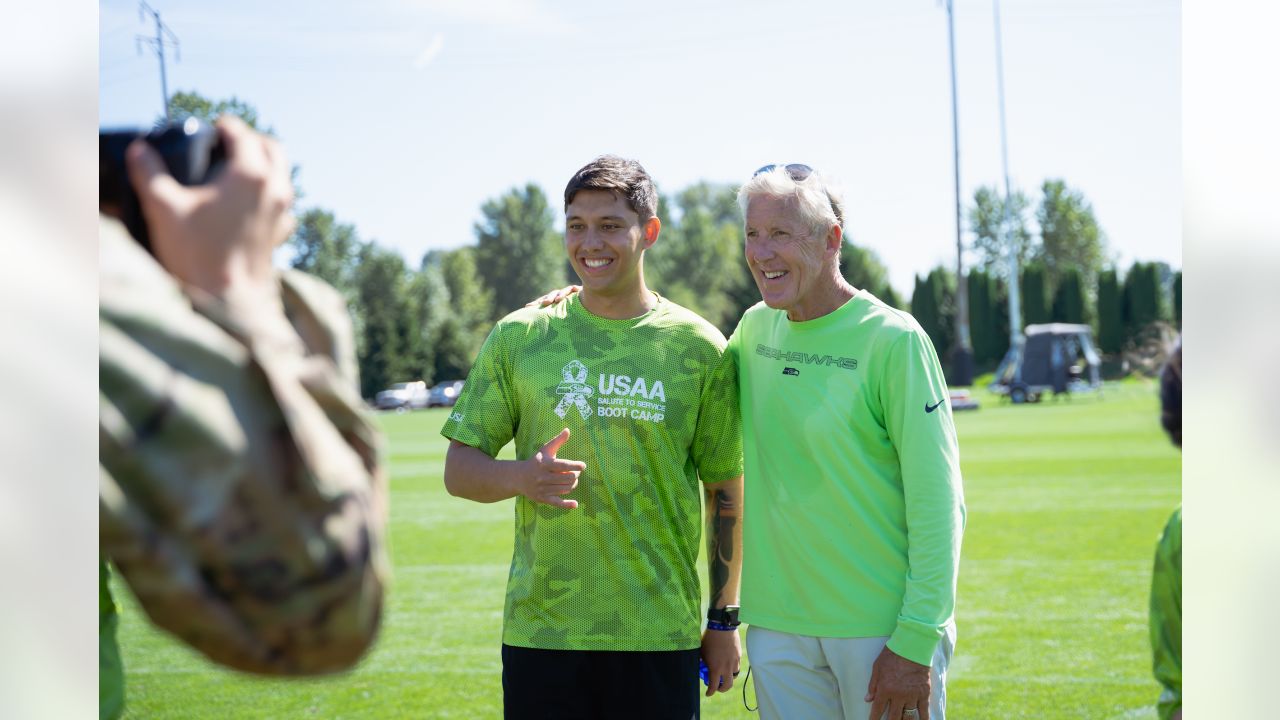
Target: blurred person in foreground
[854,505]
[623,416]
[1166,576]
[241,495]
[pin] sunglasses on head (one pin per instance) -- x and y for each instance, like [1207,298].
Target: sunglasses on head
[799,172]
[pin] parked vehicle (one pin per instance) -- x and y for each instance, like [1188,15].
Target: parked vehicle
[1057,357]
[403,396]
[962,400]
[445,394]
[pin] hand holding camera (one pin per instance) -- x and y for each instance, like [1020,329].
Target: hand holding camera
[218,237]
[216,225]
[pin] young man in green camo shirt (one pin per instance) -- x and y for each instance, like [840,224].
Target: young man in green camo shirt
[620,404]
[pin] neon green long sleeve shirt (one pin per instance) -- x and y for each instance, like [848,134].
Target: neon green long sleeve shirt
[853,505]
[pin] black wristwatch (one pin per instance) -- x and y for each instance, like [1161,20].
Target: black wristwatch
[727,615]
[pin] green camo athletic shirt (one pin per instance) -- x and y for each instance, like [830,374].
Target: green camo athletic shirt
[650,405]
[853,501]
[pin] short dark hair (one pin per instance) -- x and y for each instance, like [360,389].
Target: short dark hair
[617,175]
[1171,396]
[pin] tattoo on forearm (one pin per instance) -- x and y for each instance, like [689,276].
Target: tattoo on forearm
[722,519]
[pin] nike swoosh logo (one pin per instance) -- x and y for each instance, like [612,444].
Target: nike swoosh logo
[930,408]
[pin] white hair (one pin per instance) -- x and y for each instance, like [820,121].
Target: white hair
[821,204]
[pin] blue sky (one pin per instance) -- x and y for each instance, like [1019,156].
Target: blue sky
[406,115]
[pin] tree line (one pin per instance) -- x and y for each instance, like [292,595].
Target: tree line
[428,321]
[1121,310]
[1066,274]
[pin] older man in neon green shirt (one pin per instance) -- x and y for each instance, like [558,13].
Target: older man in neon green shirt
[854,508]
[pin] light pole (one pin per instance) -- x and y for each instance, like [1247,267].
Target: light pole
[962,353]
[1010,241]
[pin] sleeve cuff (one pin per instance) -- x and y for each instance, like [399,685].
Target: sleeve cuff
[915,641]
[466,436]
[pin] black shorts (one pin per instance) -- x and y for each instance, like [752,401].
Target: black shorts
[591,684]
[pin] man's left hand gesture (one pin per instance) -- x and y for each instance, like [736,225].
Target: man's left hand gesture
[898,685]
[722,652]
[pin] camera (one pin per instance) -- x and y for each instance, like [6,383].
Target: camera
[191,150]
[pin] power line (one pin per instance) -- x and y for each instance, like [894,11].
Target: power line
[164,38]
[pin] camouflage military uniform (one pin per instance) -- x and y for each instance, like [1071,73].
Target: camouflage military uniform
[240,494]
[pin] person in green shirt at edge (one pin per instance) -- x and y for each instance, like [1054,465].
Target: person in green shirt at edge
[1166,576]
[241,492]
[854,505]
[620,404]
[854,508]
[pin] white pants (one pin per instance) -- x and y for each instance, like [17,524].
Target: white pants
[798,677]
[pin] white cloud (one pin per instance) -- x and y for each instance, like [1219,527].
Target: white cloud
[430,52]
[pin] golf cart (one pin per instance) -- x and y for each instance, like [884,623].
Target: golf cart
[1056,357]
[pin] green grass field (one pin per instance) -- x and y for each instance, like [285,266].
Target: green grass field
[1065,501]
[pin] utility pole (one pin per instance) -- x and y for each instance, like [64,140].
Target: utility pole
[962,353]
[159,42]
[1011,242]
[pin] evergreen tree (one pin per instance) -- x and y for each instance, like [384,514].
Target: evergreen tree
[945,283]
[1141,295]
[1110,317]
[932,304]
[1177,299]
[1035,308]
[981,316]
[1068,300]
[1000,305]
[1143,301]
[922,308]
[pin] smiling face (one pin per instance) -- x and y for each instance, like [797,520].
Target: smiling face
[606,240]
[793,265]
